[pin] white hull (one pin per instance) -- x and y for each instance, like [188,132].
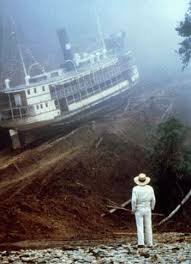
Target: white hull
[74,109]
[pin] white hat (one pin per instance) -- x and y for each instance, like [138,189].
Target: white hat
[142,179]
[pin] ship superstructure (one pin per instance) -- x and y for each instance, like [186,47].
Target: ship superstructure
[82,82]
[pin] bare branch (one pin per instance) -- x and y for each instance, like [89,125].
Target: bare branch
[176,209]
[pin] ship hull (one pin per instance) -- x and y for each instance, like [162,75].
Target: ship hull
[44,131]
[76,111]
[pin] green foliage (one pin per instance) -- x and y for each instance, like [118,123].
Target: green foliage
[169,144]
[184,30]
[184,167]
[170,161]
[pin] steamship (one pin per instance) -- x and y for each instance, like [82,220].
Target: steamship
[83,82]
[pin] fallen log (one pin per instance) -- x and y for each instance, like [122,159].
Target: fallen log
[116,207]
[176,209]
[128,210]
[99,142]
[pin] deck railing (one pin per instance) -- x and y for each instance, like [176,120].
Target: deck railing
[15,113]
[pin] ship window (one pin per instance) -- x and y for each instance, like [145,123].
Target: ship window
[17,99]
[66,90]
[54,74]
[70,99]
[103,86]
[28,92]
[121,77]
[41,106]
[108,83]
[38,79]
[82,81]
[35,90]
[115,80]
[77,97]
[46,104]
[89,90]
[73,83]
[67,85]
[96,87]
[83,93]
[37,107]
[43,88]
[56,103]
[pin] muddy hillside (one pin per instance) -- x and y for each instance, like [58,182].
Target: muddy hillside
[60,189]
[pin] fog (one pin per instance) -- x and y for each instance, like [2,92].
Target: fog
[150,27]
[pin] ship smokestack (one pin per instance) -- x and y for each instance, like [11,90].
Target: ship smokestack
[66,50]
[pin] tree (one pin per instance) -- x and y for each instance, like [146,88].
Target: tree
[170,161]
[184,30]
[1,42]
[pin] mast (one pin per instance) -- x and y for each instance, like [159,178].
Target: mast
[19,50]
[22,60]
[1,43]
[99,29]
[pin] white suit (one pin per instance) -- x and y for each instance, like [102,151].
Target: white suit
[143,201]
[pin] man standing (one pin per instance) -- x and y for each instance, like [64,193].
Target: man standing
[143,202]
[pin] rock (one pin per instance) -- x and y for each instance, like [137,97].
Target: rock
[180,258]
[175,249]
[156,258]
[144,253]
[13,259]
[128,248]
[5,260]
[116,254]
[4,253]
[41,261]
[29,259]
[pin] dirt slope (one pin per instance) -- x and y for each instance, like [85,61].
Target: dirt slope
[59,190]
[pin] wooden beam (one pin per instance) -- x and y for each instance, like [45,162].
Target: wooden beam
[115,208]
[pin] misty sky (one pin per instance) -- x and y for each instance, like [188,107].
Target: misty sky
[150,26]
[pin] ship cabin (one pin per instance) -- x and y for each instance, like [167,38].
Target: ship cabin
[58,94]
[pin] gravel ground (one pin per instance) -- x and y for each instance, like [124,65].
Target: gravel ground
[118,253]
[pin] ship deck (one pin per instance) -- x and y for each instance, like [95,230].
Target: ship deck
[66,76]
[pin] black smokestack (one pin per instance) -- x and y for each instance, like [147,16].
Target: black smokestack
[66,49]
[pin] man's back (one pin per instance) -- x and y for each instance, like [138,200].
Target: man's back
[143,196]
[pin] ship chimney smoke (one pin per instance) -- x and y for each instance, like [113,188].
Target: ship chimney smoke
[66,50]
